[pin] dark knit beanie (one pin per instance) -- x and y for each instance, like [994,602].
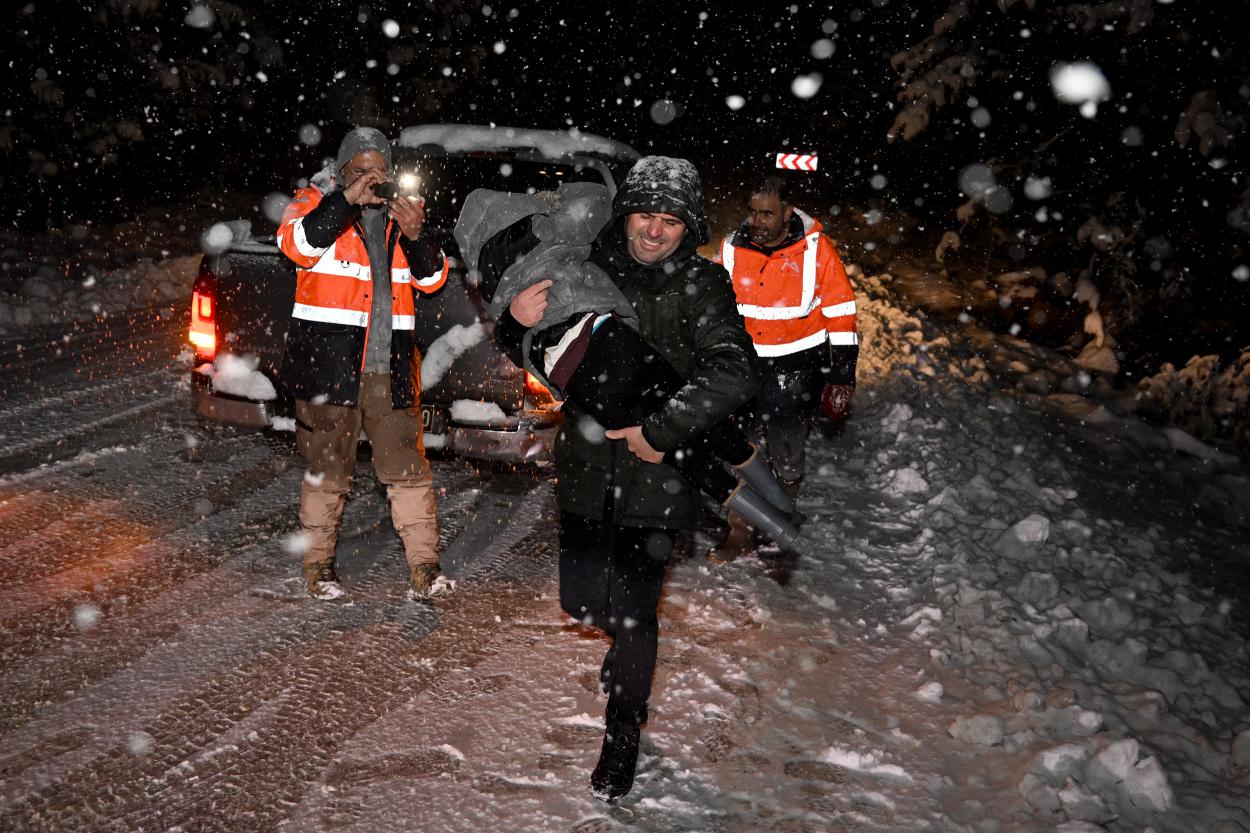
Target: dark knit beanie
[664,185]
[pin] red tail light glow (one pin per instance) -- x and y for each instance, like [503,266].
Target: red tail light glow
[203,332]
[535,387]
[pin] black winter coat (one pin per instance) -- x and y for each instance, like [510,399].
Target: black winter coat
[687,312]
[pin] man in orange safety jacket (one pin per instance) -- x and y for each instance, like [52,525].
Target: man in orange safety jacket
[351,358]
[798,305]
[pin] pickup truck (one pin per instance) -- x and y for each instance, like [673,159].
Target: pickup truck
[475,402]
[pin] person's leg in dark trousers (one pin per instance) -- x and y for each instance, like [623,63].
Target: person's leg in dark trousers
[611,577]
[787,431]
[788,396]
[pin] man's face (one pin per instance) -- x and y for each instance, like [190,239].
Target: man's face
[653,237]
[361,164]
[768,219]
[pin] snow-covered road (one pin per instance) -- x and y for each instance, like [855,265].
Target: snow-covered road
[1004,619]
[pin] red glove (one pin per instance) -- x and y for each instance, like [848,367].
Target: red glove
[835,401]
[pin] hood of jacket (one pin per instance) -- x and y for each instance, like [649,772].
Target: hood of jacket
[665,185]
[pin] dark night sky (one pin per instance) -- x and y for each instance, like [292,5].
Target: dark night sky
[559,64]
[246,83]
[111,103]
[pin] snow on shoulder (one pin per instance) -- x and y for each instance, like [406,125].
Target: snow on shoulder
[553,144]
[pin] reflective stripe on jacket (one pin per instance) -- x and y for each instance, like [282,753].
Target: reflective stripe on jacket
[332,284]
[325,348]
[794,298]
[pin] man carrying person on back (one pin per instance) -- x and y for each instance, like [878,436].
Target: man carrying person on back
[621,502]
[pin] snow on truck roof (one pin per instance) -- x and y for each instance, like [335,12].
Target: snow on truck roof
[554,144]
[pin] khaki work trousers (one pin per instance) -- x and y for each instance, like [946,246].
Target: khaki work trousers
[327,436]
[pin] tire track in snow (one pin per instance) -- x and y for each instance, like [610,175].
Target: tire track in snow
[138,331]
[143,492]
[104,391]
[122,546]
[21,454]
[141,613]
[358,671]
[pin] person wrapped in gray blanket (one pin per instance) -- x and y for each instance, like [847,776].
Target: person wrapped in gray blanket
[587,348]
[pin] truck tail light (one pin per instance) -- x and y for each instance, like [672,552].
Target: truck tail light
[537,390]
[203,332]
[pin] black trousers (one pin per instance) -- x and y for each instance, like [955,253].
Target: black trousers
[622,379]
[610,577]
[780,416]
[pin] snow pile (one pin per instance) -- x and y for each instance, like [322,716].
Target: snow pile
[49,297]
[469,412]
[553,144]
[238,376]
[1200,400]
[448,347]
[1210,400]
[1110,687]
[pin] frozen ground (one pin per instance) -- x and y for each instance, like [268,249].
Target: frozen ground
[1014,612]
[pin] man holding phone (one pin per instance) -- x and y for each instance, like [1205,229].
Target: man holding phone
[351,359]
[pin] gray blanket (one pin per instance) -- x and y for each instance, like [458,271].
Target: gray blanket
[566,223]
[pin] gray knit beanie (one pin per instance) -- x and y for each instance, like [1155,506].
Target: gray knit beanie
[358,141]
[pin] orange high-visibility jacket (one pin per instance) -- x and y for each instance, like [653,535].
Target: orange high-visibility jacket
[325,349]
[333,284]
[795,298]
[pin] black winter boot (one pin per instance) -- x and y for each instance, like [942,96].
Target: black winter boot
[614,774]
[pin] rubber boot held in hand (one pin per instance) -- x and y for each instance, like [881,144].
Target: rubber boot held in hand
[759,475]
[770,521]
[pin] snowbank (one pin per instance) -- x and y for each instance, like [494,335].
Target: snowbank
[1107,687]
[48,297]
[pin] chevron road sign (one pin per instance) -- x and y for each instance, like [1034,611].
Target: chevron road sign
[797,161]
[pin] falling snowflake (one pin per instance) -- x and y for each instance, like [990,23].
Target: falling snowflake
[200,17]
[1080,83]
[806,86]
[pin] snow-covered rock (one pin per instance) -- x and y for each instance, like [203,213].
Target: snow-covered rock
[1023,540]
[1240,754]
[1060,763]
[1119,768]
[981,729]
[1080,804]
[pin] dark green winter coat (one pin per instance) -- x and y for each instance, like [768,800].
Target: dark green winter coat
[687,312]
